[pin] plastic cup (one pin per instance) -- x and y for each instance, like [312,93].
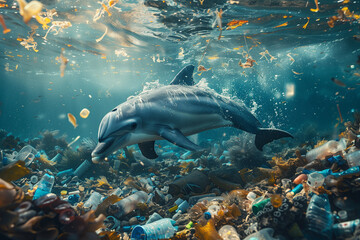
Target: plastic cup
[161,229]
[342,214]
[26,154]
[315,180]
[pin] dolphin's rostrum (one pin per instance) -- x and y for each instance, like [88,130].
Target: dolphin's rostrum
[172,113]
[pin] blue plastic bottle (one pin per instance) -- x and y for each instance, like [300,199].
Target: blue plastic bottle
[319,217]
[44,186]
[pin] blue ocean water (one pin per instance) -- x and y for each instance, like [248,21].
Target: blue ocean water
[289,86]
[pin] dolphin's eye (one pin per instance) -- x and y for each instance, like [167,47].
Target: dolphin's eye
[114,110]
[133,125]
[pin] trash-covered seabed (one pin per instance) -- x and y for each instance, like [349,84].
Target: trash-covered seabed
[50,191]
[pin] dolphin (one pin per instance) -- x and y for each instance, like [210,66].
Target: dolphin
[173,112]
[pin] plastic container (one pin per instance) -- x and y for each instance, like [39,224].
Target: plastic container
[84,166]
[345,229]
[251,196]
[342,215]
[327,149]
[228,232]
[183,206]
[93,201]
[44,186]
[26,154]
[319,217]
[315,180]
[353,159]
[127,204]
[161,229]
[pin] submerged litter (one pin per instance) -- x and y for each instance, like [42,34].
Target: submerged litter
[306,192]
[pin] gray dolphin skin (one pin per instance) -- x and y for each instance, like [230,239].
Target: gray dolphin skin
[173,112]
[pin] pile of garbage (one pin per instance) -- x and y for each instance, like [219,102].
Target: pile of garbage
[305,192]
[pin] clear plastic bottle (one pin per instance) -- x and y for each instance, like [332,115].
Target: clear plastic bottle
[44,186]
[93,201]
[319,217]
[161,229]
[127,204]
[328,148]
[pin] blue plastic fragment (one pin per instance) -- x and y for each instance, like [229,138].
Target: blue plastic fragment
[141,218]
[297,189]
[127,228]
[337,159]
[207,215]
[65,172]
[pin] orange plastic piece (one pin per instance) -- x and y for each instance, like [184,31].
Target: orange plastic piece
[299,179]
[239,193]
[2,22]
[276,200]
[207,231]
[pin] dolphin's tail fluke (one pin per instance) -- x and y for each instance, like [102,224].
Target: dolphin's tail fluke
[266,135]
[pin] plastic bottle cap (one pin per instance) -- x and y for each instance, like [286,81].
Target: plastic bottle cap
[207,215]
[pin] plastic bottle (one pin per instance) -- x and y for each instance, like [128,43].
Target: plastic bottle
[44,186]
[353,159]
[345,229]
[326,149]
[93,201]
[161,229]
[84,166]
[319,217]
[228,232]
[127,204]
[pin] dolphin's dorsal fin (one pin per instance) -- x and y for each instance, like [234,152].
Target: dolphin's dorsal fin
[184,77]
[176,137]
[147,149]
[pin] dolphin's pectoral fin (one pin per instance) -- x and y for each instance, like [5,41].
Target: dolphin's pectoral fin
[147,149]
[176,137]
[266,135]
[184,77]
